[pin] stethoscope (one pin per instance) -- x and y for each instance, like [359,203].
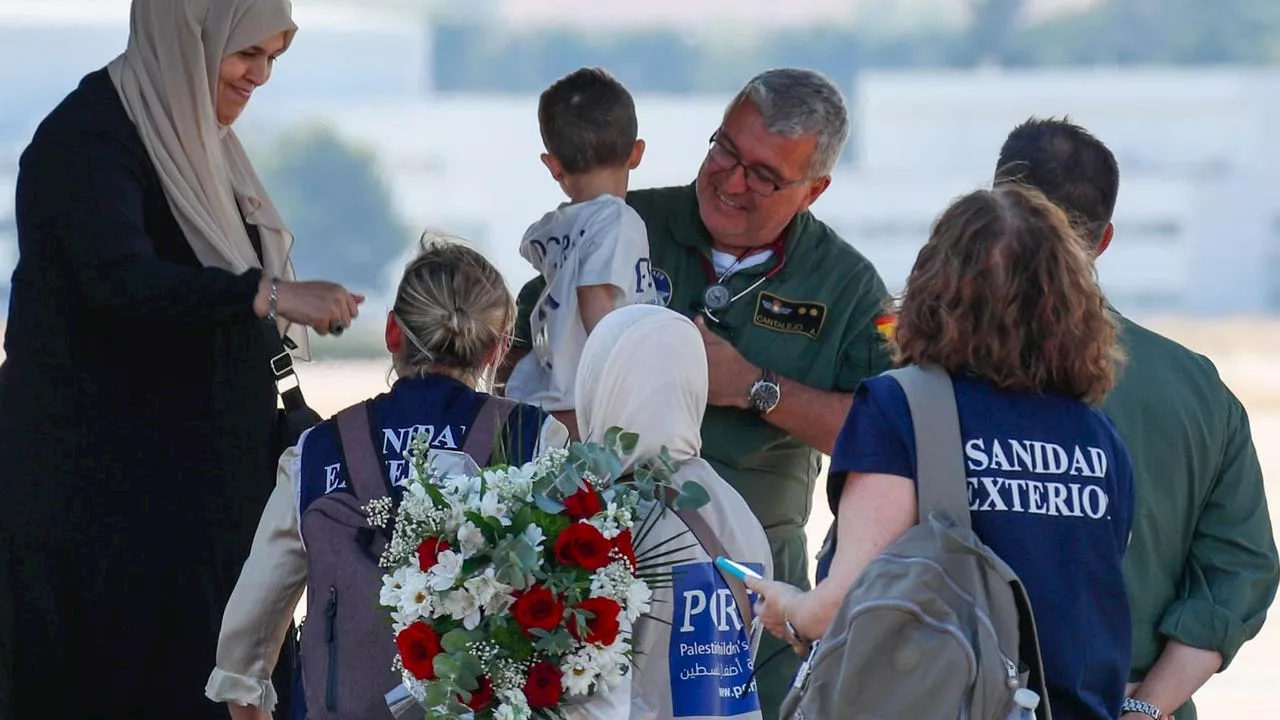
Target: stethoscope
[718,297]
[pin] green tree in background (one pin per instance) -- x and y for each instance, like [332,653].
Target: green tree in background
[338,207]
[993,26]
[470,56]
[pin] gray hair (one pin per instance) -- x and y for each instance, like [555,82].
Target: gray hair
[795,102]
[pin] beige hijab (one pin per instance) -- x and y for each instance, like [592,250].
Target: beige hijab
[167,77]
[644,369]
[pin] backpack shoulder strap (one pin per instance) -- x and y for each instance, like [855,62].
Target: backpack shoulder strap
[940,475]
[482,438]
[367,474]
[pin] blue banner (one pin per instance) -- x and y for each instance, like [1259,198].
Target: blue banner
[710,650]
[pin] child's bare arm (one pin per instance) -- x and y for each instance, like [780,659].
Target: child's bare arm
[596,301]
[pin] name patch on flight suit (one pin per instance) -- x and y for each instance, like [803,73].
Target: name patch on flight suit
[790,316]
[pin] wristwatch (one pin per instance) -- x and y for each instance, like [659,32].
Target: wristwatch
[765,394]
[1139,706]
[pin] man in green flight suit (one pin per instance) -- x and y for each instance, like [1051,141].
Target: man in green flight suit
[788,310]
[1201,567]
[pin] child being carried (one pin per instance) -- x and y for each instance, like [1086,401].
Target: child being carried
[593,251]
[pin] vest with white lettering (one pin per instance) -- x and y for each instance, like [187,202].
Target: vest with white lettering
[437,405]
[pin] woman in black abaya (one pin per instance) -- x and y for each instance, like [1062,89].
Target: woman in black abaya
[138,435]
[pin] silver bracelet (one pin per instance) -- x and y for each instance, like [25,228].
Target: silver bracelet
[1140,706]
[795,634]
[273,298]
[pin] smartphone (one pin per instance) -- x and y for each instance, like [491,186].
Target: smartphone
[737,570]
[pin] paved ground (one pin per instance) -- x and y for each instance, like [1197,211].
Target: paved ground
[1251,687]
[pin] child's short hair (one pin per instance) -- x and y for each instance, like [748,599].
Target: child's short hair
[588,121]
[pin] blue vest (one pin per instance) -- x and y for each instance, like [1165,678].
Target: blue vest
[439,406]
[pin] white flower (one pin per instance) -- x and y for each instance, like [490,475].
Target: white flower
[613,581]
[551,460]
[577,673]
[459,485]
[444,574]
[533,533]
[415,600]
[610,676]
[416,504]
[492,506]
[455,517]
[462,605]
[513,705]
[520,481]
[471,538]
[639,596]
[392,585]
[511,709]
[614,520]
[489,592]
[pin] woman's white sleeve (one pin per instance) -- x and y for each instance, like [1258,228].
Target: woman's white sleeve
[265,597]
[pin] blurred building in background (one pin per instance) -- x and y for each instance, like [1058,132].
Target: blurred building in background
[1198,226]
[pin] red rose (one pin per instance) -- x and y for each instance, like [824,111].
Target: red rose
[481,697]
[602,628]
[622,543]
[429,552]
[583,504]
[539,608]
[582,544]
[543,688]
[419,645]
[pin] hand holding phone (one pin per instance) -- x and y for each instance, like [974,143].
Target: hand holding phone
[737,570]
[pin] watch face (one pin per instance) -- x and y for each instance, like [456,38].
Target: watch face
[764,396]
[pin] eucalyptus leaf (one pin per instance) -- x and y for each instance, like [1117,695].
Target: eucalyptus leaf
[455,641]
[569,482]
[526,555]
[628,442]
[470,665]
[546,504]
[437,693]
[692,496]
[445,666]
[468,682]
[559,642]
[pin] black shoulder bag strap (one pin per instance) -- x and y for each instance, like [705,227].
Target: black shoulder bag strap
[297,415]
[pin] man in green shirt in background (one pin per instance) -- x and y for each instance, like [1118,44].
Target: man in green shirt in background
[1201,567]
[788,310]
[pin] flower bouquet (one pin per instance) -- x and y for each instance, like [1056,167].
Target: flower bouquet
[511,590]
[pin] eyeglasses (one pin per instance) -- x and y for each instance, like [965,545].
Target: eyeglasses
[759,180]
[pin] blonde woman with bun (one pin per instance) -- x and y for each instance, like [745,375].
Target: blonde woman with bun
[447,331]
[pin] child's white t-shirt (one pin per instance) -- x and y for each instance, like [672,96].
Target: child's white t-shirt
[598,242]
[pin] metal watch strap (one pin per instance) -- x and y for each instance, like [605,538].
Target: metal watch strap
[273,298]
[1140,706]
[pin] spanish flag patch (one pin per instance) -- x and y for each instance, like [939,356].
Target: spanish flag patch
[886,324]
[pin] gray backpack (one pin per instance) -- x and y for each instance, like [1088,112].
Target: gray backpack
[937,626]
[347,647]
